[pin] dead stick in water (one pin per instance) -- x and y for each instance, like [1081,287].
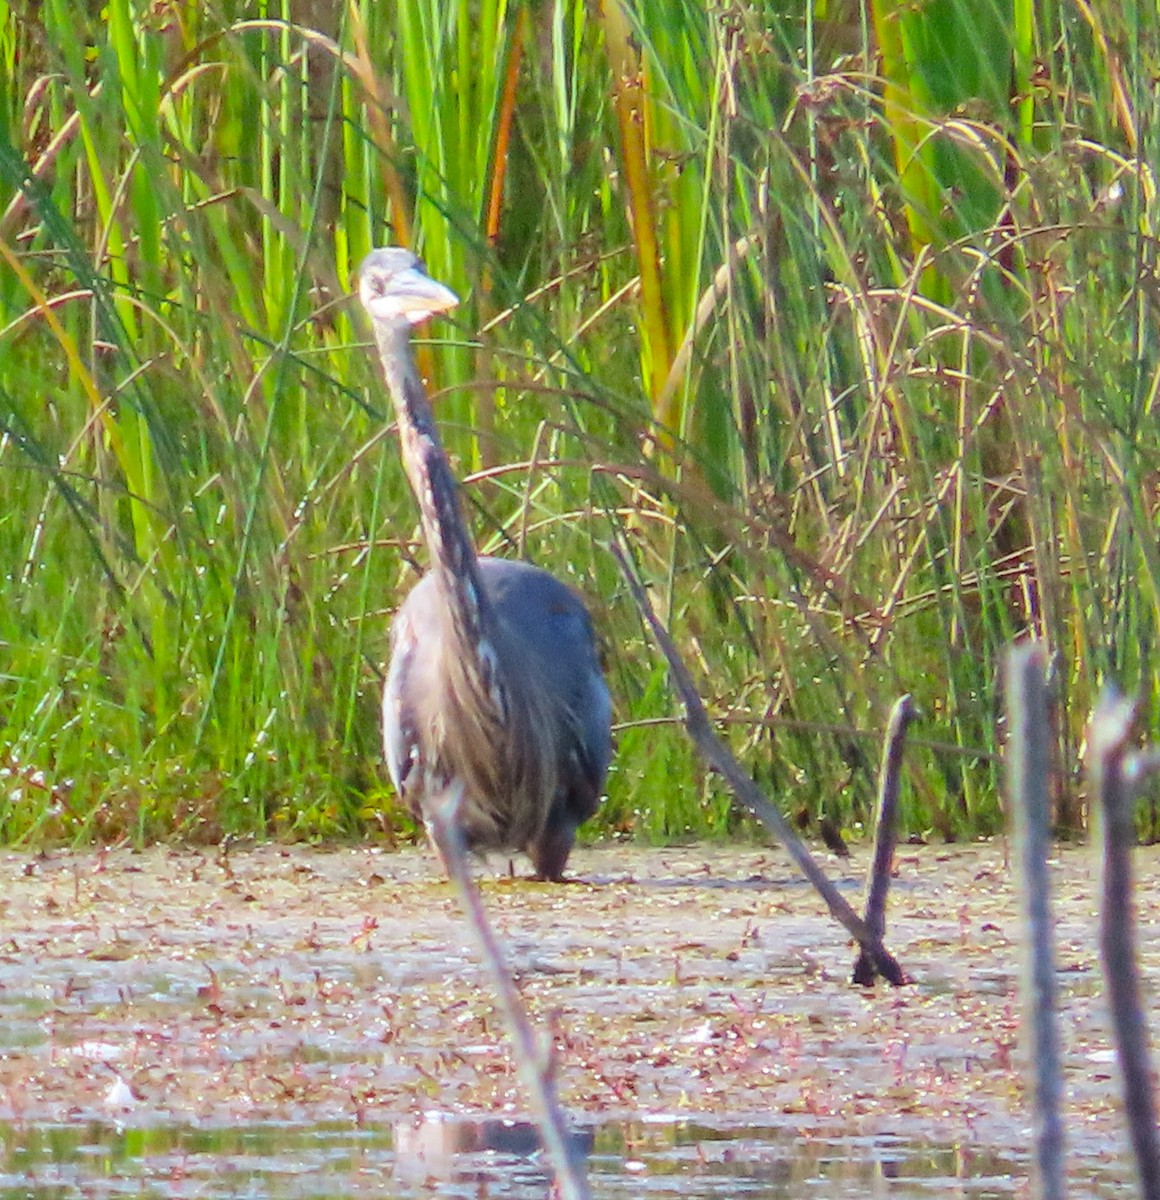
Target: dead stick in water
[718,756]
[1114,774]
[1028,777]
[533,1056]
[885,832]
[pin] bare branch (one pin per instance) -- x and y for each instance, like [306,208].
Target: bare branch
[885,831]
[1029,798]
[533,1056]
[718,756]
[1109,766]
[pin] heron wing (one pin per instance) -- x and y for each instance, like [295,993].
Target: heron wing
[400,720]
[550,637]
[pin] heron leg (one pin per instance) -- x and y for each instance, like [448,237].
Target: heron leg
[549,852]
[440,854]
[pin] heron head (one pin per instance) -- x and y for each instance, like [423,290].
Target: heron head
[394,287]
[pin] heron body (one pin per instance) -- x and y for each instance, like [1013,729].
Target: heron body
[494,689]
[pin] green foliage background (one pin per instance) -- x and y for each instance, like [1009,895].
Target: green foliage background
[846,313]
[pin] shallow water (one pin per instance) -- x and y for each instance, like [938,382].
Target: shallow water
[640,1159]
[272,1023]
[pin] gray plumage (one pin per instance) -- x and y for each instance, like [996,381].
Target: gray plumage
[494,682]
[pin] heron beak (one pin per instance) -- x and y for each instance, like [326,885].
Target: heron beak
[412,295]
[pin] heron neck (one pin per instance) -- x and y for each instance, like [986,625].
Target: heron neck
[453,559]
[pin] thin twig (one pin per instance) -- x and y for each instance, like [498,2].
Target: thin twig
[718,756]
[533,1056]
[885,831]
[1030,802]
[1111,770]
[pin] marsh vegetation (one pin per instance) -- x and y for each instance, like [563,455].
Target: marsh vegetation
[847,316]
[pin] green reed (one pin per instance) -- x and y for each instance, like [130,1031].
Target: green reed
[847,317]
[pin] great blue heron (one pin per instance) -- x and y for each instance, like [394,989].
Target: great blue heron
[494,687]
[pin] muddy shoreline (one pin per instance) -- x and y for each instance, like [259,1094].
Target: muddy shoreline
[290,984]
